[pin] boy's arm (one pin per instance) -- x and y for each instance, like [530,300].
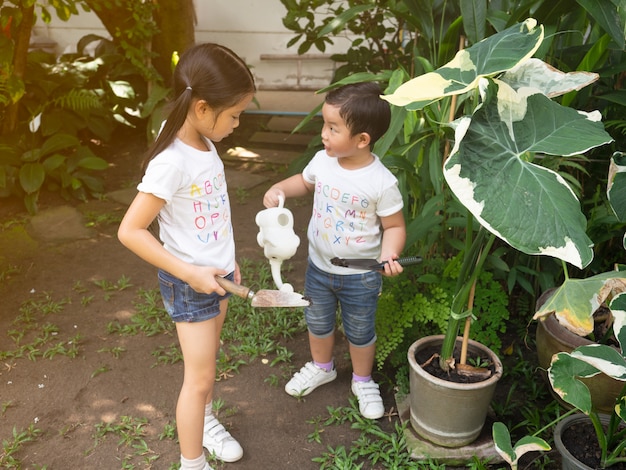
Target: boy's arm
[394,238]
[294,186]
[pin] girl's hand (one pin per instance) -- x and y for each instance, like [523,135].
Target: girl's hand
[202,279]
[392,267]
[272,197]
[237,273]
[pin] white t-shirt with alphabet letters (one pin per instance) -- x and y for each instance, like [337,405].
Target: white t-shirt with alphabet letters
[347,206]
[195,223]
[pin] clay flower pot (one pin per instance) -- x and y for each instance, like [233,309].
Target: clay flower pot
[447,413]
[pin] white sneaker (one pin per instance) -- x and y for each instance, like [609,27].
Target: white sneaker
[308,379]
[218,441]
[370,403]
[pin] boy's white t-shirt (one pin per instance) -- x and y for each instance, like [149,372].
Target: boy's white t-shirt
[347,206]
[195,222]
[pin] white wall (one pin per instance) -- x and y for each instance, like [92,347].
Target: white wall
[252,28]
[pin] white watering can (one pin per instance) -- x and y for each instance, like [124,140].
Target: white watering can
[277,238]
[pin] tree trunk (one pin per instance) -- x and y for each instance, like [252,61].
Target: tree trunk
[20,58]
[175,20]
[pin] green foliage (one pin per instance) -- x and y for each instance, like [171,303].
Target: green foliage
[410,308]
[70,103]
[60,109]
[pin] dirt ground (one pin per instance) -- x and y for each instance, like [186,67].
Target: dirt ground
[65,398]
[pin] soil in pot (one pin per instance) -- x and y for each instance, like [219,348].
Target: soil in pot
[428,358]
[580,440]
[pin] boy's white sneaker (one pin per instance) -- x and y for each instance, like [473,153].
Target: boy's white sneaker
[370,403]
[308,379]
[218,441]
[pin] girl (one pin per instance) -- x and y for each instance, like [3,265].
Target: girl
[184,187]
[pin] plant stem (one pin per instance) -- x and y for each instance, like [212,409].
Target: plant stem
[473,261]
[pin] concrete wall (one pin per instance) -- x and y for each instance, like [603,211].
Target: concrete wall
[252,28]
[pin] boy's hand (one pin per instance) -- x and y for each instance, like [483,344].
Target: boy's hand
[272,197]
[392,267]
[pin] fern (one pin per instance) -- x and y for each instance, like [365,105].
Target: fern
[78,100]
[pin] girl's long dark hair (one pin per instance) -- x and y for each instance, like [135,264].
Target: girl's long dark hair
[209,72]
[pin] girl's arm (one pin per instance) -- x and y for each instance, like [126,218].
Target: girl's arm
[134,234]
[394,238]
[294,186]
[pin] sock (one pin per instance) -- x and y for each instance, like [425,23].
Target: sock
[199,463]
[208,408]
[327,366]
[358,378]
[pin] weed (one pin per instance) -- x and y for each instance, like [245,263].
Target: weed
[97,219]
[167,355]
[241,195]
[130,433]
[116,351]
[121,284]
[150,317]
[11,447]
[272,380]
[6,405]
[100,370]
[7,272]
[169,431]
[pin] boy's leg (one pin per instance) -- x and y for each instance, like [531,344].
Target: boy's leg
[362,359]
[320,318]
[358,309]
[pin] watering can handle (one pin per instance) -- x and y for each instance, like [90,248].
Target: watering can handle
[281,201]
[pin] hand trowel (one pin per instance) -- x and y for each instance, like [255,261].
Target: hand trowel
[264,298]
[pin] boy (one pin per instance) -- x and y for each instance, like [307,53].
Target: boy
[357,213]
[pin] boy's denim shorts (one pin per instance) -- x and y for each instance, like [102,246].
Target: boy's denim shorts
[356,294]
[184,304]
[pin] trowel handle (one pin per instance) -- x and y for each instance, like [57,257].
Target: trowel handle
[235,289]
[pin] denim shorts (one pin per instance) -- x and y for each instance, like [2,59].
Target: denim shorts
[356,294]
[183,304]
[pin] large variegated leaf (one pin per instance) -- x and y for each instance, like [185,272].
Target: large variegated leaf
[490,170]
[535,73]
[575,301]
[584,362]
[604,358]
[616,186]
[589,360]
[487,58]
[563,375]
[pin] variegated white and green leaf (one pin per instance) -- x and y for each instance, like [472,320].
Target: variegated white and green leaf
[616,186]
[511,454]
[575,301]
[490,170]
[487,58]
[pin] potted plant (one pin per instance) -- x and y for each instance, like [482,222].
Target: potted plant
[510,124]
[565,374]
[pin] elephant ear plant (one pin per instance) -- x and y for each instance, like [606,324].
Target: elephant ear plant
[587,361]
[494,168]
[574,304]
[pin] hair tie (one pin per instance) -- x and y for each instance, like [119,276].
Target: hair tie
[188,88]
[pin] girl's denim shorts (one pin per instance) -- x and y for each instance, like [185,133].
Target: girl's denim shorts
[183,304]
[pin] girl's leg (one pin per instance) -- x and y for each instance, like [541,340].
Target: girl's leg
[219,323]
[199,342]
